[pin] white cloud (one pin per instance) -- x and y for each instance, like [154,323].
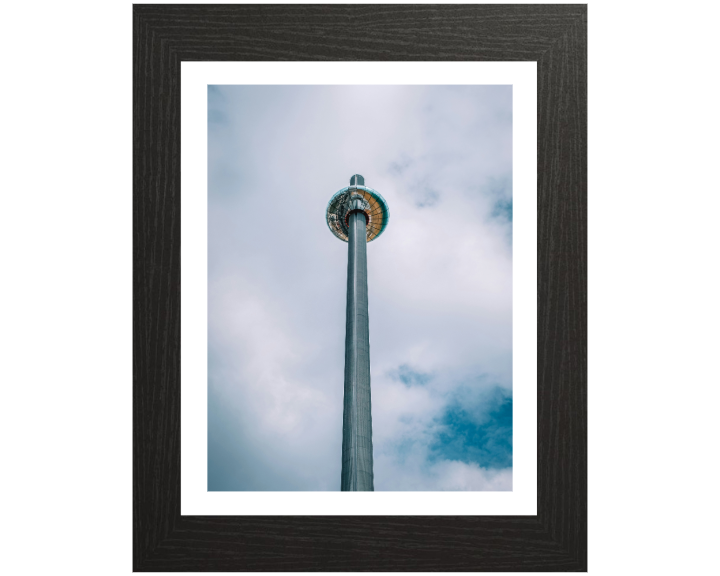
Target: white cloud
[453,475]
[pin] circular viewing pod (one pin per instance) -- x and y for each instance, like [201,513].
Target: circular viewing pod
[357,198]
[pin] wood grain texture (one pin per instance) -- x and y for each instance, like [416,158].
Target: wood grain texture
[553,35]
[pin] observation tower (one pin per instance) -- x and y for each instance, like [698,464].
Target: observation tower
[357,215]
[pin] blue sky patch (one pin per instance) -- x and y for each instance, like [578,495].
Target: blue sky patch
[409,376]
[501,190]
[479,431]
[503,209]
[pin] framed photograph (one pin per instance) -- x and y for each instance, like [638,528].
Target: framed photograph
[313,182]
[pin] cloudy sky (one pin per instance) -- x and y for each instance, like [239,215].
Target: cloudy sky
[440,284]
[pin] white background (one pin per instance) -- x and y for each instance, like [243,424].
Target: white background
[195,498]
[65,222]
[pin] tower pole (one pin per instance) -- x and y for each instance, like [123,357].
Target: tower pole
[357,454]
[357,215]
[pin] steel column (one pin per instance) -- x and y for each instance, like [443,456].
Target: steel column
[357,452]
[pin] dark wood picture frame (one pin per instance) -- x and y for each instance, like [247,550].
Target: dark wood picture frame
[555,36]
